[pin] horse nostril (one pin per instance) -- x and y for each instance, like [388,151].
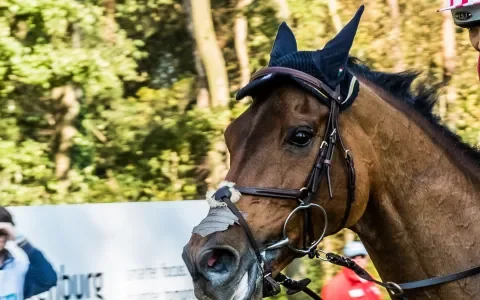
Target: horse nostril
[214,255]
[217,264]
[219,260]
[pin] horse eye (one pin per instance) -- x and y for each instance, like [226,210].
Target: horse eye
[301,137]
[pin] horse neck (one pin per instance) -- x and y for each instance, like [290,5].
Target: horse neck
[423,212]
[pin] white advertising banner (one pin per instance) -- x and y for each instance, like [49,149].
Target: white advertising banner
[115,251]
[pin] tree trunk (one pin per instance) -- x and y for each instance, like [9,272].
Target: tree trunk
[449,54]
[210,52]
[283,12]
[76,36]
[203,97]
[396,35]
[241,31]
[109,30]
[337,22]
[217,163]
[69,108]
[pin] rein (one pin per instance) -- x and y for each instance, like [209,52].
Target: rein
[305,196]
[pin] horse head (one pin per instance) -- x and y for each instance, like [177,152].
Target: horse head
[285,167]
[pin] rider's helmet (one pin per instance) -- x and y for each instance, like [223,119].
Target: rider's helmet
[466,13]
[354,248]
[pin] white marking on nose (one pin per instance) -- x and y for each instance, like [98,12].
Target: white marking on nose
[263,254]
[242,289]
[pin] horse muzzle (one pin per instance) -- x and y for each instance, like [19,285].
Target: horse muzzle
[220,271]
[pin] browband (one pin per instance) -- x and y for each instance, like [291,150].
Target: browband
[309,82]
[307,78]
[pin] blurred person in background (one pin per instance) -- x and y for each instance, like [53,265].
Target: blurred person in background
[24,271]
[347,285]
[466,14]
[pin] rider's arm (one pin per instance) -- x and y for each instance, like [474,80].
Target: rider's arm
[40,276]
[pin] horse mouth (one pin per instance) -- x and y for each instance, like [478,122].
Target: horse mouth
[250,285]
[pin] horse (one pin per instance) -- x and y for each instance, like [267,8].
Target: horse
[327,143]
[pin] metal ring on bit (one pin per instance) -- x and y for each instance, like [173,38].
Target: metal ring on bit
[314,244]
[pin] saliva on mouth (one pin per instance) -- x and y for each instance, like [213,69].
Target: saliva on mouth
[251,282]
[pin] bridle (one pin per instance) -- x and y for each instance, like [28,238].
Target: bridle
[304,197]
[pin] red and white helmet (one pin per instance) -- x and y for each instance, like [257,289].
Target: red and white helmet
[466,13]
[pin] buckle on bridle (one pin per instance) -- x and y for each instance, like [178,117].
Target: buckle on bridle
[323,145]
[394,290]
[303,194]
[347,154]
[333,136]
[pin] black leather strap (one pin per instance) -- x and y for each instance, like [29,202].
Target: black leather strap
[351,179]
[332,95]
[396,293]
[271,192]
[440,279]
[351,190]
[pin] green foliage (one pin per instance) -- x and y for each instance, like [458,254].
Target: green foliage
[160,29]
[38,49]
[26,172]
[155,146]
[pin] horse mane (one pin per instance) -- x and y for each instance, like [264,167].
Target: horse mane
[422,98]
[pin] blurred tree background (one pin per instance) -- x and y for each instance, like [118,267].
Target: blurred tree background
[127,100]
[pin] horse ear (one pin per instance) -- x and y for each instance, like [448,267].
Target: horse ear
[332,59]
[285,43]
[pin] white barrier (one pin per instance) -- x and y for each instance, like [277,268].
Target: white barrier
[119,251]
